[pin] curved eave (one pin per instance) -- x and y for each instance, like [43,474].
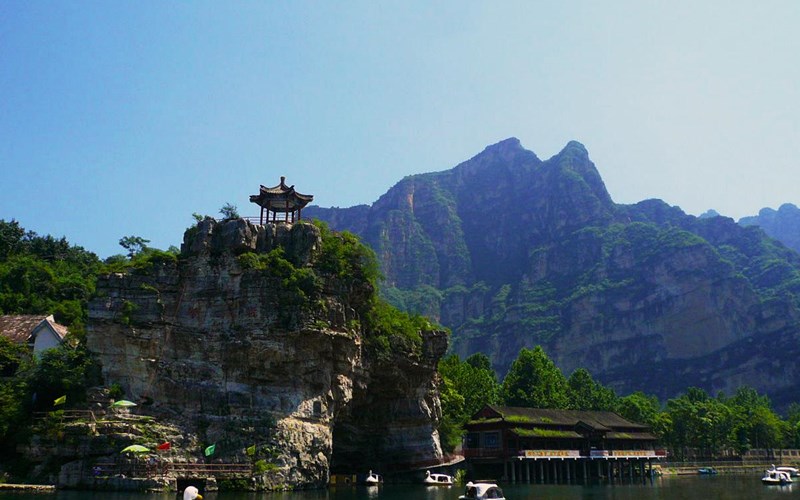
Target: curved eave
[281,202]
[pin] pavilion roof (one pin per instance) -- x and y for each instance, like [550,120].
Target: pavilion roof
[281,198]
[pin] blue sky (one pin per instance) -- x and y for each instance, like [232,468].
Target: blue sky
[124,118]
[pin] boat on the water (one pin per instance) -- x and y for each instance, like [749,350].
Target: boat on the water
[192,493]
[438,479]
[482,491]
[792,471]
[373,479]
[706,470]
[774,476]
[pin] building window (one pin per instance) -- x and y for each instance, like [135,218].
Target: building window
[473,440]
[491,440]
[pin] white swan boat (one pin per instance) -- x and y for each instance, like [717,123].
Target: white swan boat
[774,476]
[192,493]
[438,479]
[482,491]
[373,479]
[793,472]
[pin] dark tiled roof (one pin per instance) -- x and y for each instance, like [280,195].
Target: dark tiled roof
[630,435]
[278,197]
[18,328]
[546,433]
[598,420]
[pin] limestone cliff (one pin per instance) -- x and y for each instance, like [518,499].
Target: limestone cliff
[250,339]
[510,251]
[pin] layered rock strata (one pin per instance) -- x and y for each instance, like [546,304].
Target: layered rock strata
[239,357]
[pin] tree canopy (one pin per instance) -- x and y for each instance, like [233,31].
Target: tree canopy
[535,381]
[710,426]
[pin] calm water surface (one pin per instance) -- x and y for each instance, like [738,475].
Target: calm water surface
[692,487]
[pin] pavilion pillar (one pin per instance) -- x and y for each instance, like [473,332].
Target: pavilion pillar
[528,471]
[541,471]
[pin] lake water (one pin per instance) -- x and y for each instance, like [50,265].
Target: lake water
[727,487]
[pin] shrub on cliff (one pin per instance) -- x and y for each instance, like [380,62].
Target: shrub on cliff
[344,256]
[344,259]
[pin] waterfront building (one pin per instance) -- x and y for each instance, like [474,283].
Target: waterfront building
[543,445]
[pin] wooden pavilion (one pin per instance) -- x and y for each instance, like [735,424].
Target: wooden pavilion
[280,203]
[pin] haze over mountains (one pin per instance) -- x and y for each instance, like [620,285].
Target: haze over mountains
[510,251]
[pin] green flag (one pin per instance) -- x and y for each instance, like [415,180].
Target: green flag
[251,450]
[60,401]
[210,450]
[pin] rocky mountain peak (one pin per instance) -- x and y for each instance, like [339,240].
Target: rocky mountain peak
[574,148]
[511,251]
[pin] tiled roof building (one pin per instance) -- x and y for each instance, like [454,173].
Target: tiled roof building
[39,332]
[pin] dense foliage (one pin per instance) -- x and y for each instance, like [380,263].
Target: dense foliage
[693,422]
[44,275]
[38,382]
[348,268]
[355,270]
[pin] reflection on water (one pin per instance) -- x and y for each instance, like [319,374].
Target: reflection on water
[720,487]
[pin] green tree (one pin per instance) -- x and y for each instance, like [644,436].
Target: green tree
[792,437]
[584,393]
[481,361]
[756,425]
[478,385]
[10,238]
[451,425]
[134,245]
[60,371]
[12,411]
[228,211]
[640,408]
[11,357]
[467,387]
[534,381]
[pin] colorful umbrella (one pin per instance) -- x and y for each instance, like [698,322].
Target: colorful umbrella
[135,448]
[122,403]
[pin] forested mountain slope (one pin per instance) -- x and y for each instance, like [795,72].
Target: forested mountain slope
[510,251]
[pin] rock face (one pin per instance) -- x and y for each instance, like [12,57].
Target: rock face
[244,355]
[782,224]
[510,251]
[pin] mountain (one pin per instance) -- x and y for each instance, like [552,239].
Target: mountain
[782,224]
[510,251]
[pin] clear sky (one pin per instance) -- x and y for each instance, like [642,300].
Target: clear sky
[124,118]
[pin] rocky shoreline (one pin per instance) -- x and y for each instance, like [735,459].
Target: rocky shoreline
[42,488]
